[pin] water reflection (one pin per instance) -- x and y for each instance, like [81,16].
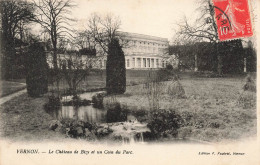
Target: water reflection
[84,113]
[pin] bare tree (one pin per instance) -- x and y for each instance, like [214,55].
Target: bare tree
[103,29]
[204,29]
[84,40]
[54,17]
[76,68]
[14,15]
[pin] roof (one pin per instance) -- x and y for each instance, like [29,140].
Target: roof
[143,36]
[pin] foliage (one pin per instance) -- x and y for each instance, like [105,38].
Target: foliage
[15,15]
[250,84]
[116,113]
[175,89]
[164,123]
[116,71]
[98,100]
[88,51]
[169,67]
[53,103]
[37,70]
[231,53]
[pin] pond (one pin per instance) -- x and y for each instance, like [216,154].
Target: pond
[112,123]
[122,124]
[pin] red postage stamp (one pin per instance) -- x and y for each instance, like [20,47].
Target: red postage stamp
[232,19]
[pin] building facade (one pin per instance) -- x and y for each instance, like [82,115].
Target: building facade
[142,51]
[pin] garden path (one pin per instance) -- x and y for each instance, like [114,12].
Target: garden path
[11,96]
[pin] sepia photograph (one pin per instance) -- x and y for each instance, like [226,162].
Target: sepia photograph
[120,80]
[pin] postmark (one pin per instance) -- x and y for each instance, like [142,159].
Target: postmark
[232,19]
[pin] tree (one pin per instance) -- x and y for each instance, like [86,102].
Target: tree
[85,43]
[14,16]
[204,29]
[36,70]
[53,16]
[104,31]
[116,71]
[75,69]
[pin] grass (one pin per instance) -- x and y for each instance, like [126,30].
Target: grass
[214,109]
[218,108]
[9,87]
[23,118]
[97,79]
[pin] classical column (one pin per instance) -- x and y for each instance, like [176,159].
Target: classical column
[141,62]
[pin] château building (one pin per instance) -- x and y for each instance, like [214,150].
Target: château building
[142,51]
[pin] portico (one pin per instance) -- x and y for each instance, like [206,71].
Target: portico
[141,62]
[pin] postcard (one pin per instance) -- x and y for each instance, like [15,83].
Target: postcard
[129,82]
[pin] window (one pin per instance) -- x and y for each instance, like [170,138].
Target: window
[144,62]
[133,62]
[149,65]
[127,63]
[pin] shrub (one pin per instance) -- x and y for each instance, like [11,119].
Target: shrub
[175,89]
[116,71]
[36,71]
[98,100]
[250,84]
[53,103]
[169,67]
[116,113]
[164,123]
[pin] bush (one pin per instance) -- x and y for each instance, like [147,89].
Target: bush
[175,89]
[36,70]
[53,103]
[164,123]
[116,71]
[97,100]
[250,84]
[169,67]
[116,113]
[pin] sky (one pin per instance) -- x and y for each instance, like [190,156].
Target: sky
[151,17]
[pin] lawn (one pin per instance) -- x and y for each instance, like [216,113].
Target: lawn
[9,87]
[24,118]
[97,79]
[216,109]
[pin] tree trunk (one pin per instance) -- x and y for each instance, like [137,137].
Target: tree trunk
[196,63]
